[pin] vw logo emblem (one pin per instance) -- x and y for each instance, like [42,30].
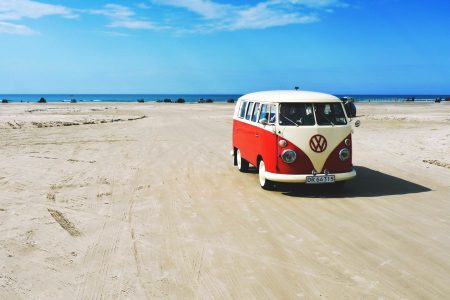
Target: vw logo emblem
[318,143]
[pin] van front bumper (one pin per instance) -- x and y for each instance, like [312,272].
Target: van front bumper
[302,178]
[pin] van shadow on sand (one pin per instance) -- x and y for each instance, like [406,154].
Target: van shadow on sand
[367,183]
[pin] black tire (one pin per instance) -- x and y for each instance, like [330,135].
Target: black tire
[242,164]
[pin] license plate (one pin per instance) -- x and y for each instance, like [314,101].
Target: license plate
[320,179]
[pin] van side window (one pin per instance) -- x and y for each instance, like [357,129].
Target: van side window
[264,113]
[272,113]
[249,111]
[255,112]
[242,109]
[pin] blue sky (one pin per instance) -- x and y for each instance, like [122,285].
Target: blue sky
[214,46]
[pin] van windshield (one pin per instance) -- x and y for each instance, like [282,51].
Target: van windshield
[329,114]
[296,114]
[306,114]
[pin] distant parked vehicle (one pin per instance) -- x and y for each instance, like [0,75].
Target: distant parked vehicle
[5,100]
[73,100]
[349,106]
[180,100]
[230,101]
[42,100]
[140,100]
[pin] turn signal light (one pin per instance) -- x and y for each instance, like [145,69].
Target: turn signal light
[282,143]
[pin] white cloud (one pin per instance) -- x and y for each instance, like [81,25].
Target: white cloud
[317,3]
[16,10]
[133,24]
[19,9]
[124,17]
[265,14]
[205,8]
[211,15]
[114,11]
[10,28]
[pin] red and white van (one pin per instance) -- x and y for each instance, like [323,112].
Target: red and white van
[293,136]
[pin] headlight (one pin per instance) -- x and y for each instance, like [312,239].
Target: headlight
[288,156]
[344,154]
[282,143]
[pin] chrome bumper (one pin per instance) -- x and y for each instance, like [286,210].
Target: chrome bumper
[302,178]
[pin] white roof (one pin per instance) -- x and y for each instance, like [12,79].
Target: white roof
[289,96]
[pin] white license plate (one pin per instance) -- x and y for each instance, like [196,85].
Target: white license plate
[320,179]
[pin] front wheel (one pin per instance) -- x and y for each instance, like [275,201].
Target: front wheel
[242,164]
[265,183]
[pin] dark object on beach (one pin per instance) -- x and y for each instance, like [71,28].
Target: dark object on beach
[167,101]
[73,101]
[447,99]
[230,101]
[349,106]
[159,101]
[180,100]
[411,99]
[140,100]
[209,101]
[201,100]
[5,100]
[42,100]
[438,100]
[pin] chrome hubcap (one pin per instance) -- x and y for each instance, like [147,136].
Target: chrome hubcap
[262,171]
[238,158]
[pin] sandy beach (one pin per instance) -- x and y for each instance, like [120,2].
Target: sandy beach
[142,201]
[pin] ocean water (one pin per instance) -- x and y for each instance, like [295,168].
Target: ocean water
[188,97]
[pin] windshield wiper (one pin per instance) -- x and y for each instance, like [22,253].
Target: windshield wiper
[332,124]
[293,122]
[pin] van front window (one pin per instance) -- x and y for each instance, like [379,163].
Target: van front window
[296,114]
[330,114]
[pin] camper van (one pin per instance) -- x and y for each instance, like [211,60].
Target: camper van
[293,136]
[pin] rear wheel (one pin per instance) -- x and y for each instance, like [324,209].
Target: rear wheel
[265,183]
[242,164]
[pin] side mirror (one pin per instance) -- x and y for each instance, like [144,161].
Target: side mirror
[357,123]
[264,121]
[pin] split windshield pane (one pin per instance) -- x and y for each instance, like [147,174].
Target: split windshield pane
[330,114]
[296,114]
